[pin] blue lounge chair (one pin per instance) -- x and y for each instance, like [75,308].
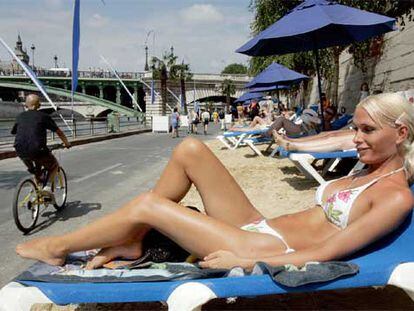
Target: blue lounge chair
[341,121]
[254,141]
[389,261]
[234,139]
[303,161]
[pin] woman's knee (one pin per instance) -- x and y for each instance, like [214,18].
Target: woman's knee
[141,207]
[189,148]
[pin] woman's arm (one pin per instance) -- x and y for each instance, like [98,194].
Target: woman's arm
[386,214]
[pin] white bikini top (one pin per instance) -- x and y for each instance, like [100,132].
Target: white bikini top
[338,206]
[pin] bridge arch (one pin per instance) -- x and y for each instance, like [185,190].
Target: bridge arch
[203,94]
[77,96]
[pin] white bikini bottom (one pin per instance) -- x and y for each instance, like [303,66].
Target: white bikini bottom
[261,226]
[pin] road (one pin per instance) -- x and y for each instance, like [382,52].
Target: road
[101,177]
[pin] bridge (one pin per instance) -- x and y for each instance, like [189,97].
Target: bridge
[108,105]
[103,93]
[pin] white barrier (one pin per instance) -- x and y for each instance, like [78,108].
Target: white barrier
[160,124]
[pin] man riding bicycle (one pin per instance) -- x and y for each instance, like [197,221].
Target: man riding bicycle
[30,142]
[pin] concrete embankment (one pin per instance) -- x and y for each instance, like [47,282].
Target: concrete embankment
[7,151]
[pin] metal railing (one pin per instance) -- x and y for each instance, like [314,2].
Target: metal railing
[81,128]
[81,74]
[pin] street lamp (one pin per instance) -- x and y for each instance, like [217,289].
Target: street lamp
[55,58]
[33,48]
[146,68]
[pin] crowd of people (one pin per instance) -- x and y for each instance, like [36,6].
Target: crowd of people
[266,113]
[195,117]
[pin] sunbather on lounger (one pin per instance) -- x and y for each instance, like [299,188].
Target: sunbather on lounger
[308,126]
[322,142]
[349,214]
[262,121]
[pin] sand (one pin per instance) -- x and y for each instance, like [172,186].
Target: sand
[275,187]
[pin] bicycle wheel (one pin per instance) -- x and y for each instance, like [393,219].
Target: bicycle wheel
[26,205]
[60,189]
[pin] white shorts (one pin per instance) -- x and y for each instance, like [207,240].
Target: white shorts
[261,226]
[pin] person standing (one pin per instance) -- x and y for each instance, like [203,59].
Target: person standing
[175,122]
[194,121]
[215,116]
[205,116]
[222,117]
[364,91]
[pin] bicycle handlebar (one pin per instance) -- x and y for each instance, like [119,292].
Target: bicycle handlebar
[59,146]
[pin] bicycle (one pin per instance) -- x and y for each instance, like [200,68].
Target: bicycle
[30,195]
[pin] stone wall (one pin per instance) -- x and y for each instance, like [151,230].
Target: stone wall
[393,71]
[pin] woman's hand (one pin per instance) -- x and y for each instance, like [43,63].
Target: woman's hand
[221,259]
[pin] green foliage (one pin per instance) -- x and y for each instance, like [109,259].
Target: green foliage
[235,69]
[168,64]
[267,12]
[228,89]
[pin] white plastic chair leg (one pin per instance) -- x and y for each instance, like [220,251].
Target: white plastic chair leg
[189,297]
[253,147]
[403,277]
[17,297]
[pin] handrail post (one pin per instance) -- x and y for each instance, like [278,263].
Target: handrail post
[74,134]
[91,126]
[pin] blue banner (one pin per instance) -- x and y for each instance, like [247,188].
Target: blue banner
[152,92]
[75,44]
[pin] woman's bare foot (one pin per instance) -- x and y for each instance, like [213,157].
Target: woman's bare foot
[280,140]
[47,250]
[132,250]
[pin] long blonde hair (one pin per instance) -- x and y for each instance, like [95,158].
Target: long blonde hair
[393,109]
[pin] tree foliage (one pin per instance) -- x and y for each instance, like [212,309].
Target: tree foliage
[167,68]
[168,63]
[228,89]
[235,69]
[267,12]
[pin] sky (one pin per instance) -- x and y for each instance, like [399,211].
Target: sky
[204,34]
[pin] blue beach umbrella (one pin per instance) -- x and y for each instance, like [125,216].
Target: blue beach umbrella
[249,96]
[276,74]
[269,88]
[316,24]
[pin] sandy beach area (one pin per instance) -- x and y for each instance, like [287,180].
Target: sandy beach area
[275,187]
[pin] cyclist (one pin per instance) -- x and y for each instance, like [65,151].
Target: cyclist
[30,142]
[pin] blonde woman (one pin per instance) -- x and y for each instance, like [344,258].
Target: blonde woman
[372,203]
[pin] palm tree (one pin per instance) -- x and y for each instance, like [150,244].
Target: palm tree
[228,89]
[167,68]
[183,73]
[159,71]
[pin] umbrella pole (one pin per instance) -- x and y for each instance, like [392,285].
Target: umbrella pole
[315,52]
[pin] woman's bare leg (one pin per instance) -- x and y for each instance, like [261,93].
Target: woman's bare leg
[257,121]
[196,232]
[337,133]
[192,162]
[324,144]
[290,127]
